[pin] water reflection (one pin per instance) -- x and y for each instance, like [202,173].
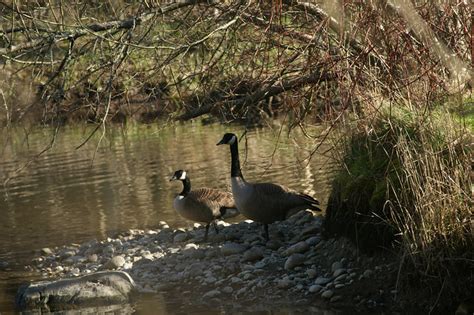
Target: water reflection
[73,195]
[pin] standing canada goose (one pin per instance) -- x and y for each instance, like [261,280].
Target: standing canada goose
[202,205]
[263,202]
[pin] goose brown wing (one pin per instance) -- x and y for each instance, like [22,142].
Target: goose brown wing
[214,199]
[281,197]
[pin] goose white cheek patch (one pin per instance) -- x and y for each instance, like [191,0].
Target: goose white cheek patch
[183,176]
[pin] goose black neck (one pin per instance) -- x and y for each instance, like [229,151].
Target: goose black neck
[235,163]
[186,186]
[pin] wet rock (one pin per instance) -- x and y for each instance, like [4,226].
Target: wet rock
[253,254]
[311,229]
[299,247]
[311,273]
[327,294]
[322,280]
[102,288]
[66,253]
[232,249]
[294,260]
[115,262]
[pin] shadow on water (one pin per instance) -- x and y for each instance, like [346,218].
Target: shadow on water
[70,195]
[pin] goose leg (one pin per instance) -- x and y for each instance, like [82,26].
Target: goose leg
[265,227]
[207,232]
[215,227]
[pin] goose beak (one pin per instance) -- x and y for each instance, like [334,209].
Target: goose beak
[221,142]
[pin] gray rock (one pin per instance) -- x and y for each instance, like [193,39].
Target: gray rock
[339,272]
[115,262]
[313,240]
[46,251]
[284,283]
[368,273]
[336,265]
[232,248]
[341,278]
[180,237]
[311,229]
[92,258]
[327,294]
[101,288]
[315,288]
[339,285]
[253,254]
[211,294]
[322,280]
[335,298]
[299,247]
[227,290]
[294,260]
[311,273]
[273,244]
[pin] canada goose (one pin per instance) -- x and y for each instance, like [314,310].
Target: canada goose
[204,204]
[263,202]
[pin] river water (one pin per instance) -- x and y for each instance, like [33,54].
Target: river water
[118,180]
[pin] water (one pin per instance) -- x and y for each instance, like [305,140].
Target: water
[119,180]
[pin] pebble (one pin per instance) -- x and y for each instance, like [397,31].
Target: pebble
[327,294]
[339,272]
[313,240]
[227,290]
[211,294]
[232,248]
[299,247]
[273,244]
[180,237]
[336,265]
[294,260]
[115,262]
[284,283]
[46,251]
[322,280]
[311,273]
[253,254]
[368,273]
[315,288]
[335,298]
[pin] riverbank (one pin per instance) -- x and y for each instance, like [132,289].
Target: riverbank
[237,269]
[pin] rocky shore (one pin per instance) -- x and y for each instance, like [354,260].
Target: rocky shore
[237,268]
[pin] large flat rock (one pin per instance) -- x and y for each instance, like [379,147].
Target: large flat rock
[100,288]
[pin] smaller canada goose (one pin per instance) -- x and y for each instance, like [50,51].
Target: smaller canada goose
[263,202]
[202,205]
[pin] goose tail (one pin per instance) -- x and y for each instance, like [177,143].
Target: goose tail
[310,202]
[227,213]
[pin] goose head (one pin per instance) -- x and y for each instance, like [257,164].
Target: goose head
[179,175]
[228,138]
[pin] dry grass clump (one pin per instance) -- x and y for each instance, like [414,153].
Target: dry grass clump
[407,184]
